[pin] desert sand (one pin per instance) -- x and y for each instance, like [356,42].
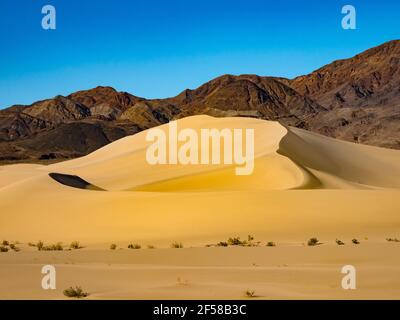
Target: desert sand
[304,185]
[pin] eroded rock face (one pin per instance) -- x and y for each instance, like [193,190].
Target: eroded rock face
[356,99]
[371,78]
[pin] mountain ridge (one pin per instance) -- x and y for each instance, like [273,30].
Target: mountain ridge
[355,99]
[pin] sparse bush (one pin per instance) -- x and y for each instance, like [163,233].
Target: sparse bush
[339,242]
[3,249]
[75,245]
[14,247]
[271,244]
[250,238]
[176,245]
[222,244]
[392,240]
[76,292]
[150,246]
[5,243]
[134,246]
[313,242]
[250,293]
[182,282]
[31,244]
[236,242]
[113,246]
[355,241]
[53,247]
[40,245]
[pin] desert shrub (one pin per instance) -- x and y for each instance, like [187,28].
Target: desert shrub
[76,292]
[313,242]
[236,242]
[176,245]
[3,248]
[250,293]
[222,244]
[40,245]
[392,240]
[355,241]
[250,238]
[75,245]
[14,247]
[31,244]
[271,244]
[182,282]
[134,246]
[5,243]
[113,246]
[150,246]
[53,247]
[339,242]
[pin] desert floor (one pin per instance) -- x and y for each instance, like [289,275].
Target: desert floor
[283,272]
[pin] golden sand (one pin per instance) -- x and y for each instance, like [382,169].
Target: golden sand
[303,185]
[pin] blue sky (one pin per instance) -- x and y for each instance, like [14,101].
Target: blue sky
[156,49]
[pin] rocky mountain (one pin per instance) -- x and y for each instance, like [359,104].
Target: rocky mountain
[362,95]
[356,99]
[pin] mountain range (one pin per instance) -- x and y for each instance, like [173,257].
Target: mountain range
[356,99]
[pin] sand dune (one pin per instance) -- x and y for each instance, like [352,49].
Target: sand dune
[303,185]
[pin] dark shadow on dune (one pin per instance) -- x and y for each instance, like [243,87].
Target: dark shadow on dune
[74,181]
[297,150]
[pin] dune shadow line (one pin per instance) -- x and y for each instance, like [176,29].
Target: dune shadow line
[74,181]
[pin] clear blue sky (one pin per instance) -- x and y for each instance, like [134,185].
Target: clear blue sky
[156,49]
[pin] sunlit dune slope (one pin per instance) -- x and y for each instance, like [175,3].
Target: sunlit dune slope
[303,184]
[284,159]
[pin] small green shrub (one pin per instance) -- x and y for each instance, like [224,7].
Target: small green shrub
[14,247]
[76,292]
[75,245]
[222,244]
[176,245]
[5,243]
[40,245]
[134,246]
[339,242]
[392,240]
[313,242]
[53,247]
[271,244]
[236,242]
[355,241]
[113,246]
[3,248]
[250,293]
